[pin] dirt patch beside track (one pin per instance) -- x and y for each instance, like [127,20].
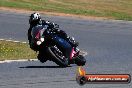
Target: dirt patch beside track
[50,13]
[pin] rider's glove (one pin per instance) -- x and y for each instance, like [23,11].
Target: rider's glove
[52,25]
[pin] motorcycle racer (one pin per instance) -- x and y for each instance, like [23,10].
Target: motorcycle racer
[52,43]
[35,19]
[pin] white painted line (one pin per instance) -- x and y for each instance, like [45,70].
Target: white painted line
[1,39]
[13,41]
[16,41]
[8,40]
[24,42]
[23,60]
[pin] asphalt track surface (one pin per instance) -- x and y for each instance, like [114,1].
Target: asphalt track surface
[108,43]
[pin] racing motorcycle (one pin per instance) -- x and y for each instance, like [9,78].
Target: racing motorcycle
[54,48]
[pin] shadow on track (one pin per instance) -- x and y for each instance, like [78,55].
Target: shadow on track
[43,67]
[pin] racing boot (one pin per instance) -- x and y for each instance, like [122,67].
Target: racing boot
[72,42]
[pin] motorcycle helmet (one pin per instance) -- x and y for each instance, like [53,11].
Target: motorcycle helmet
[34,18]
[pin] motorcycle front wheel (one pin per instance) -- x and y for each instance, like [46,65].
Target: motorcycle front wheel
[80,60]
[60,60]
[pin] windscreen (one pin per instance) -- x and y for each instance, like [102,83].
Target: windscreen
[38,30]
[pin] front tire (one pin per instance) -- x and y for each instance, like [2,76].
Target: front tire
[80,60]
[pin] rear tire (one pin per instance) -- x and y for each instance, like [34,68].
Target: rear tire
[80,60]
[41,57]
[58,60]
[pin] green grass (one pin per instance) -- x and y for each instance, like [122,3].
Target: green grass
[11,50]
[113,9]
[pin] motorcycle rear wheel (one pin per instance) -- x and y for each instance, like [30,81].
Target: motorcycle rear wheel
[41,57]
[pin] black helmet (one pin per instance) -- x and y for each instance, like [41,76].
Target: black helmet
[34,18]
